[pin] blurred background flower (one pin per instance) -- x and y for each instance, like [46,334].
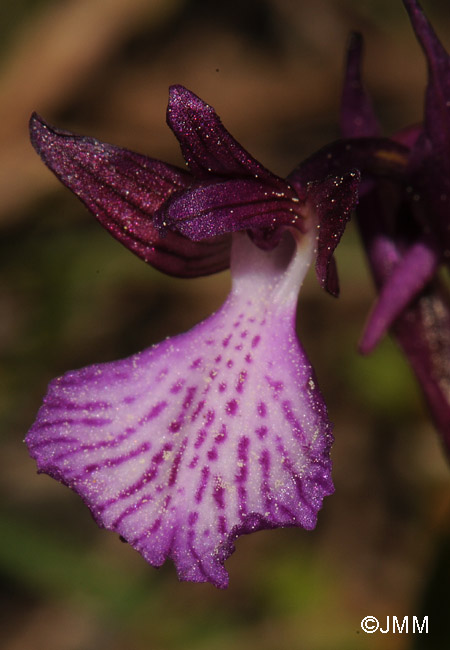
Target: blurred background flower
[70,295]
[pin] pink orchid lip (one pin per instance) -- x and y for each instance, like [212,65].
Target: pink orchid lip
[206,436]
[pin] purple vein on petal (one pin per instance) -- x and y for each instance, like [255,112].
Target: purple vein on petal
[124,190]
[206,144]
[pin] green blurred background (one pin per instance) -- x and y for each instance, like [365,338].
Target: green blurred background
[70,296]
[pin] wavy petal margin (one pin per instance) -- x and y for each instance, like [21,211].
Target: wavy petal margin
[215,433]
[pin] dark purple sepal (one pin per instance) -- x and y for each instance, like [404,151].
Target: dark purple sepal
[423,331]
[430,158]
[358,117]
[331,202]
[215,208]
[437,106]
[124,190]
[207,146]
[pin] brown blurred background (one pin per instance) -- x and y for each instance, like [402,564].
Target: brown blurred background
[70,296]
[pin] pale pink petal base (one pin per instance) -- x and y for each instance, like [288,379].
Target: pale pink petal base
[209,435]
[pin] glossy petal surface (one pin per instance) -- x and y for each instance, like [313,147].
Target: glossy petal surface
[332,201]
[124,190]
[328,204]
[209,435]
[230,206]
[207,146]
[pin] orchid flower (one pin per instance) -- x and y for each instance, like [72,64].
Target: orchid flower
[220,431]
[404,220]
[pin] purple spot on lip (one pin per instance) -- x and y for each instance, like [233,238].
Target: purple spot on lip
[231,407]
[222,386]
[248,358]
[197,363]
[242,496]
[261,432]
[256,339]
[192,518]
[212,454]
[200,438]
[226,341]
[230,363]
[244,334]
[176,463]
[295,424]
[198,410]
[238,347]
[243,446]
[154,527]
[219,494]
[177,386]
[193,462]
[222,525]
[221,436]
[153,413]
[203,483]
[241,381]
[210,417]
[189,397]
[262,409]
[264,460]
[129,400]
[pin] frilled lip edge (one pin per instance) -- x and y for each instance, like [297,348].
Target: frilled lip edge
[253,522]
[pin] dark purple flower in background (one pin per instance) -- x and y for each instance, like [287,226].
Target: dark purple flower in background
[220,431]
[404,219]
